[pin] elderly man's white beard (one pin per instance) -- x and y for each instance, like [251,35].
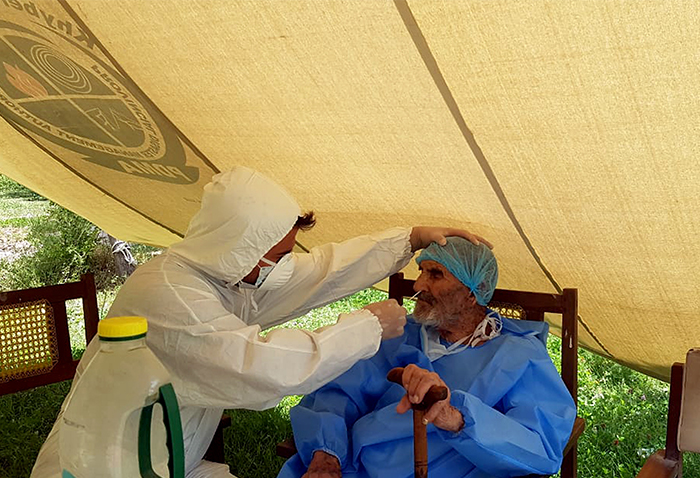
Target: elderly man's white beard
[433,318]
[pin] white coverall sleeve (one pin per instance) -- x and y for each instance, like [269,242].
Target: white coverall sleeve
[220,361]
[333,271]
[224,363]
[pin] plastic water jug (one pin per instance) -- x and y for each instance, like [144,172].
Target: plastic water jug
[122,420]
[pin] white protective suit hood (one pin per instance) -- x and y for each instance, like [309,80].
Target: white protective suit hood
[243,215]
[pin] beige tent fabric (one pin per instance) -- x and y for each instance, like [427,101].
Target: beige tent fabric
[565,132]
[23,161]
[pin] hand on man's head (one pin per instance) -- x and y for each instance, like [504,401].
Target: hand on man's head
[423,236]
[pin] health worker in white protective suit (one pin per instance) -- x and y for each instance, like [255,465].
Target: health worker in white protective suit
[208,297]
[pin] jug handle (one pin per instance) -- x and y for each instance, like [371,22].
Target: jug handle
[173,427]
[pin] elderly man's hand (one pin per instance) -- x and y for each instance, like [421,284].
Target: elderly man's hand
[422,236]
[417,381]
[323,465]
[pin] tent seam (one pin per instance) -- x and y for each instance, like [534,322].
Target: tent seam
[433,68]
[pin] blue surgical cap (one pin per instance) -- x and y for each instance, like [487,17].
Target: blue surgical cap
[474,266]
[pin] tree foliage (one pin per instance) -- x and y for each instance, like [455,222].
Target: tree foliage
[64,245]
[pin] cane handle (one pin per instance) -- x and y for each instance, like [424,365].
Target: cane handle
[434,394]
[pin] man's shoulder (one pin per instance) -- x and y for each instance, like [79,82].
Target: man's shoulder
[526,329]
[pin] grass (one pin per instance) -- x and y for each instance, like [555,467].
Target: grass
[625,414]
[19,209]
[19,205]
[20,222]
[27,418]
[249,443]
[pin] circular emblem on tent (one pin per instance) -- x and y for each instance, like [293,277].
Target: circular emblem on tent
[59,90]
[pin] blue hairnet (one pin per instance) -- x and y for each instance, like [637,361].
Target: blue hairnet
[474,266]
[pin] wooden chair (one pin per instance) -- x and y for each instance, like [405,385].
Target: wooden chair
[683,428]
[34,333]
[36,346]
[215,452]
[519,305]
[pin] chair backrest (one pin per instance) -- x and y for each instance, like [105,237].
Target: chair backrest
[516,304]
[34,338]
[689,420]
[683,426]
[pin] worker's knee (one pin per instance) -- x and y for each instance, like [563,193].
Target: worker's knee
[209,469]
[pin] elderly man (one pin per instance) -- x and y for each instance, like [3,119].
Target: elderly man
[508,412]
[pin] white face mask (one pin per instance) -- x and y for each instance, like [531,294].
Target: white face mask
[434,349]
[275,275]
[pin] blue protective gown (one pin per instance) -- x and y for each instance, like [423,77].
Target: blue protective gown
[518,414]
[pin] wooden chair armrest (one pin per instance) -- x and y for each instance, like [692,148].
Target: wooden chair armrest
[225,421]
[657,466]
[576,431]
[287,448]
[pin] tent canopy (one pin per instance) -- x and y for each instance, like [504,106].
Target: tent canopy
[565,132]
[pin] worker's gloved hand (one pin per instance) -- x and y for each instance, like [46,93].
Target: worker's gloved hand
[422,236]
[392,317]
[323,465]
[417,381]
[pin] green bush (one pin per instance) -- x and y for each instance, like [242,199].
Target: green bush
[625,413]
[64,244]
[143,252]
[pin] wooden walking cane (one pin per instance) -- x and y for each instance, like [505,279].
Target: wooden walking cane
[420,433]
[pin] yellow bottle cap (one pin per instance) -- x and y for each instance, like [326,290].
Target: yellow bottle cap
[122,328]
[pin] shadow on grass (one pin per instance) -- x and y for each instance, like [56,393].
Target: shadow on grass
[13,190]
[27,418]
[250,441]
